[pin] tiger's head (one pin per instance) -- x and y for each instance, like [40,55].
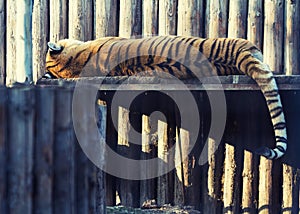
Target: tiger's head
[61,59]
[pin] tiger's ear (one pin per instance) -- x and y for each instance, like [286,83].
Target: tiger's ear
[54,48]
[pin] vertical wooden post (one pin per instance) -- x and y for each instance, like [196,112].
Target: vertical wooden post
[255,22]
[167,17]
[218,18]
[101,177]
[287,189]
[291,38]
[58,19]
[150,17]
[2,42]
[39,37]
[162,181]
[273,35]
[190,17]
[20,149]
[106,18]
[182,177]
[147,187]
[64,169]
[43,158]
[76,19]
[3,149]
[237,22]
[130,18]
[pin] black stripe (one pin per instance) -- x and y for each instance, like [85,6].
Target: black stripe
[281,139]
[79,53]
[154,39]
[231,53]
[164,46]
[264,80]
[156,46]
[226,50]
[212,49]
[218,51]
[276,155]
[272,101]
[178,45]
[201,45]
[98,53]
[280,125]
[248,64]
[252,48]
[271,93]
[242,60]
[66,65]
[280,148]
[88,59]
[106,63]
[276,112]
[51,66]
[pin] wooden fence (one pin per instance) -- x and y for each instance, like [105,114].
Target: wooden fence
[26,27]
[43,169]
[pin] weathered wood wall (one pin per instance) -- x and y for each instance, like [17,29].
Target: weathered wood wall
[26,27]
[43,166]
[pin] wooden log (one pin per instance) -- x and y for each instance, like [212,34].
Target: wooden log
[106,18]
[218,18]
[39,40]
[237,21]
[101,176]
[150,18]
[265,186]
[58,20]
[162,181]
[189,18]
[147,187]
[20,149]
[64,160]
[167,17]
[287,189]
[182,177]
[130,18]
[43,158]
[88,20]
[3,150]
[76,20]
[255,22]
[273,35]
[129,189]
[291,41]
[2,42]
[207,18]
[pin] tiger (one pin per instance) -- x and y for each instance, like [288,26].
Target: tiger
[179,56]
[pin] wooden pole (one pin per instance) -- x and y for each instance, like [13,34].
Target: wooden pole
[190,17]
[3,150]
[167,17]
[101,176]
[20,149]
[273,35]
[130,18]
[106,18]
[291,38]
[287,189]
[58,19]
[76,19]
[64,160]
[150,18]
[237,22]
[2,42]
[43,158]
[265,185]
[39,37]
[255,22]
[162,181]
[217,18]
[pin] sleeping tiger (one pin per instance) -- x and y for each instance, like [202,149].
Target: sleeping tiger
[163,54]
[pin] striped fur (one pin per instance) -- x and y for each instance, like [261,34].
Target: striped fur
[177,55]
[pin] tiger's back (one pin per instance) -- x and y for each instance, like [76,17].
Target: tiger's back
[180,56]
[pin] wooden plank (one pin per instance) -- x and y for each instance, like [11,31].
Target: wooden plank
[101,176]
[255,22]
[39,39]
[150,18]
[162,181]
[189,18]
[64,160]
[20,149]
[291,34]
[130,18]
[3,150]
[43,158]
[147,187]
[167,17]
[76,20]
[237,21]
[2,42]
[58,19]
[218,18]
[106,18]
[273,35]
[287,189]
